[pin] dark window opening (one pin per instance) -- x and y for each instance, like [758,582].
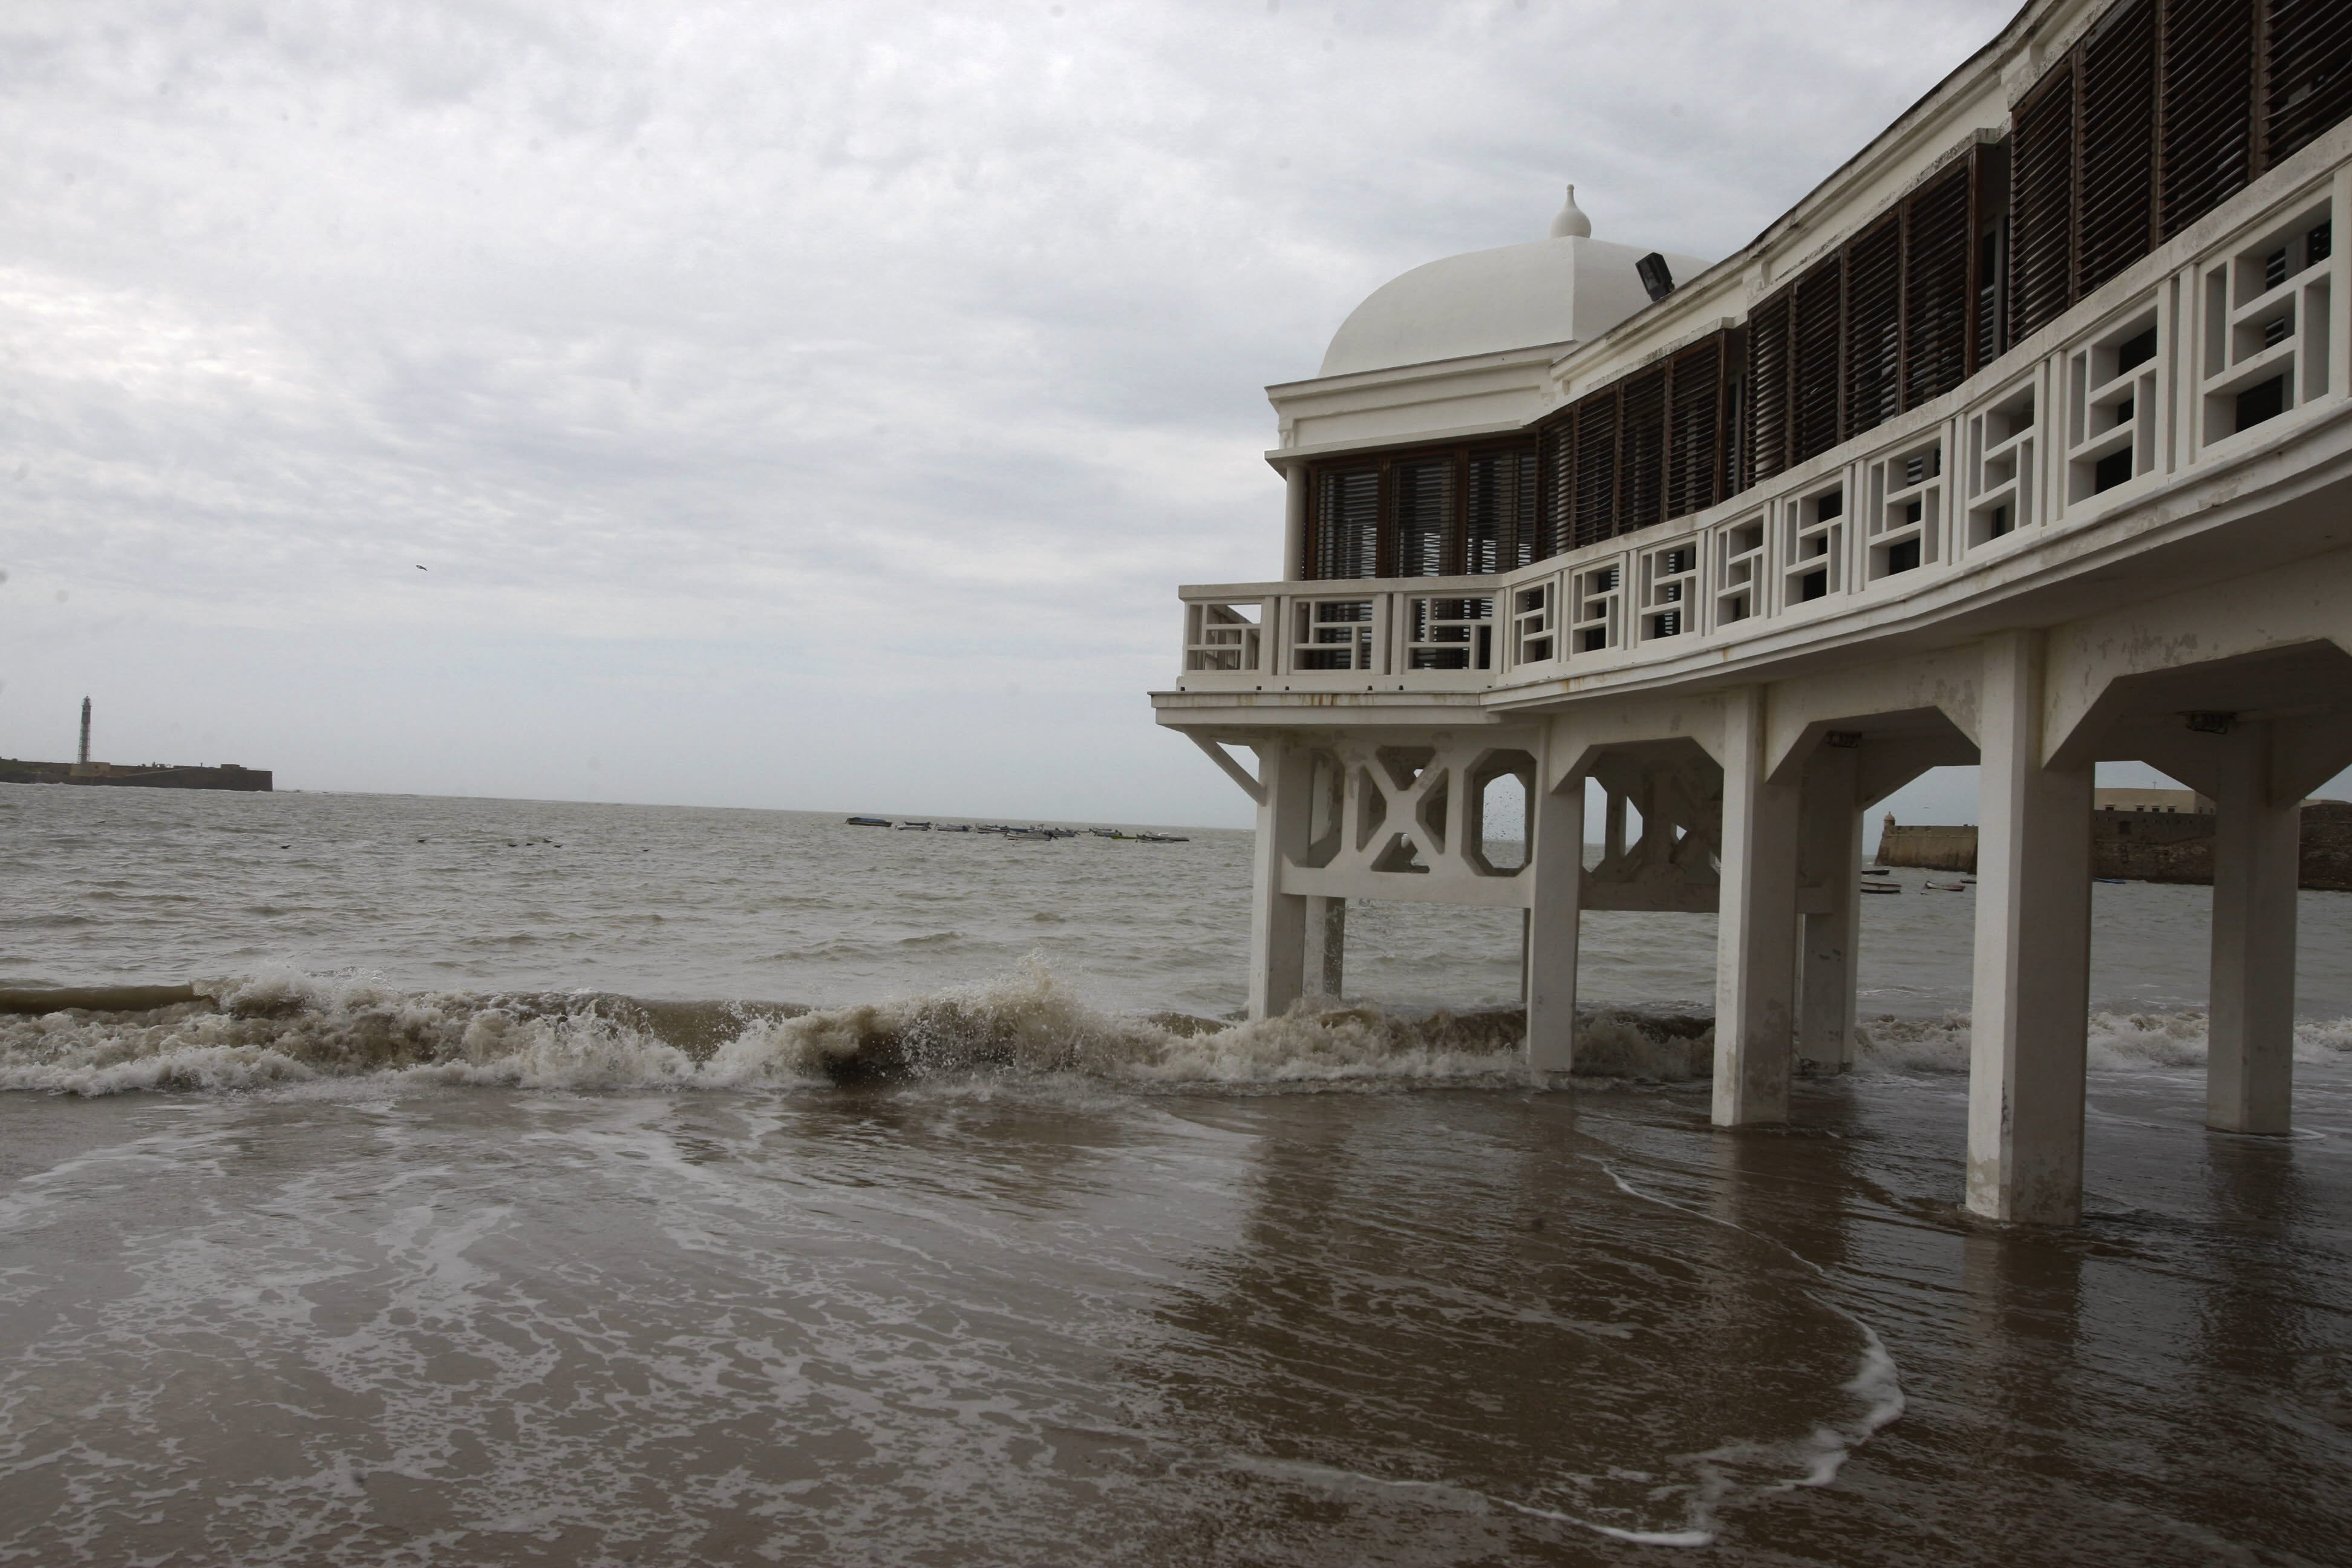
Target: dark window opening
[2257,404]
[2114,469]
[1814,586]
[1902,556]
[2132,352]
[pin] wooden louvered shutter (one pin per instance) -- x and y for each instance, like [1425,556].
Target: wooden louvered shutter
[2116,225]
[1694,429]
[1556,527]
[1874,326]
[1346,522]
[1499,510]
[2307,73]
[1820,300]
[1420,507]
[2041,205]
[1767,386]
[1641,452]
[1936,289]
[1731,402]
[2208,107]
[1989,274]
[1595,506]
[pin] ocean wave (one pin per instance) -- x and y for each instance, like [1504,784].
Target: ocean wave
[283,1027]
[2119,1042]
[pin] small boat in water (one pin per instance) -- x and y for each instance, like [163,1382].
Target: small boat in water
[869,822]
[1882,887]
[1162,838]
[914,828]
[2112,882]
[1876,872]
[1029,835]
[1948,887]
[953,828]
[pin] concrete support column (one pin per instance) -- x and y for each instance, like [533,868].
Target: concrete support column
[1295,502]
[1325,966]
[2257,855]
[1278,920]
[1756,951]
[1830,854]
[1556,861]
[1325,961]
[2032,1001]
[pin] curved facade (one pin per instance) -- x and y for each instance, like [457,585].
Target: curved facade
[2024,441]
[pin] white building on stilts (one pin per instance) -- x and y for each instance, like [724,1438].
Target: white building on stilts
[2022,441]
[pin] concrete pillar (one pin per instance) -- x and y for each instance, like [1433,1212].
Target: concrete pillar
[1295,502]
[1278,920]
[1556,861]
[2032,1003]
[1325,966]
[1756,951]
[1830,853]
[2257,855]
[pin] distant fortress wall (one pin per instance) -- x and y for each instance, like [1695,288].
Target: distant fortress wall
[2143,845]
[157,775]
[1933,849]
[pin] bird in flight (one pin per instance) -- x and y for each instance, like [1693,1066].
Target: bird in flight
[420,568]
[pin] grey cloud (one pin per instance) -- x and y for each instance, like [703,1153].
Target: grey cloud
[885,350]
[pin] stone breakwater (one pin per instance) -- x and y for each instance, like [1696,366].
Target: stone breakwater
[2142,846]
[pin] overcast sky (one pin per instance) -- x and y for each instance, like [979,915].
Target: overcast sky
[791,405]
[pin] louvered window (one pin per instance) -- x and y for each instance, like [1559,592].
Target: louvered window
[2307,70]
[1500,515]
[1873,327]
[2041,205]
[2207,106]
[1936,289]
[1420,494]
[1820,319]
[1556,530]
[2118,153]
[1694,433]
[1767,386]
[1594,508]
[1346,522]
[1641,452]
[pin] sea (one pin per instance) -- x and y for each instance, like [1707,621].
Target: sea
[549,1182]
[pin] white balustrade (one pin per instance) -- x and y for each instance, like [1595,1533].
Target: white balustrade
[2184,360]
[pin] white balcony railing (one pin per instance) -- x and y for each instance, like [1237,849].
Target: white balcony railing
[2224,341]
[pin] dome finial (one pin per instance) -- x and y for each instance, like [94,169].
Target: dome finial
[1572,223]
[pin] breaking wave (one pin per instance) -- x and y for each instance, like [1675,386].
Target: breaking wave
[286,1027]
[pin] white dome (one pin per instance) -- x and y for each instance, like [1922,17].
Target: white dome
[1559,290]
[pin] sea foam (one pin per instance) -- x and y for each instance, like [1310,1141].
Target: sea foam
[284,1026]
